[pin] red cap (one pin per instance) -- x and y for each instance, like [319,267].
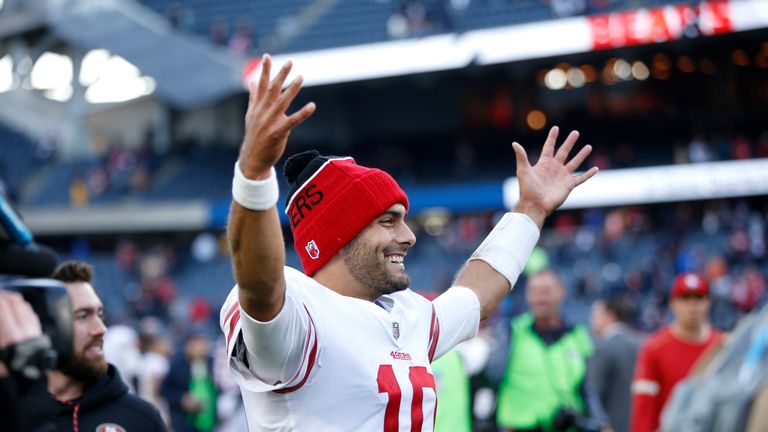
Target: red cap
[334,205]
[689,284]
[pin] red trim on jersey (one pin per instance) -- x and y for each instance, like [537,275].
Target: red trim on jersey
[231,311]
[311,362]
[232,325]
[434,334]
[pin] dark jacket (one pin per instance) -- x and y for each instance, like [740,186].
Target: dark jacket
[17,409]
[173,388]
[611,369]
[104,403]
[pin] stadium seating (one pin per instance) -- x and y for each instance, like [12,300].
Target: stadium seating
[362,21]
[639,261]
[17,159]
[204,174]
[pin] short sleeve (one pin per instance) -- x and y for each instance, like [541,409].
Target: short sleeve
[276,355]
[456,319]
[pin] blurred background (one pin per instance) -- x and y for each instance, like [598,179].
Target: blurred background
[120,122]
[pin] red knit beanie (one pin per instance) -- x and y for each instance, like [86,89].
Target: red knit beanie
[332,199]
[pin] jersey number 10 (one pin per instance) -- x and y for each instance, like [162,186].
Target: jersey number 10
[420,378]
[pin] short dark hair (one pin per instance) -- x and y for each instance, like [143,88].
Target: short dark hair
[548,271]
[74,271]
[619,306]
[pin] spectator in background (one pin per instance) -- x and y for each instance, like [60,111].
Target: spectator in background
[121,348]
[181,17]
[566,8]
[152,370]
[452,372]
[188,388]
[220,32]
[242,41]
[668,355]
[612,366]
[699,150]
[78,192]
[544,376]
[89,393]
[230,408]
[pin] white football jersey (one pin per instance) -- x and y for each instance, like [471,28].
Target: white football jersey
[329,362]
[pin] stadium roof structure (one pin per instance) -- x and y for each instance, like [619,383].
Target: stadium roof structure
[523,42]
[188,71]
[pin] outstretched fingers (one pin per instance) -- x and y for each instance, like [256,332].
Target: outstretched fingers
[579,158]
[565,149]
[520,156]
[276,85]
[298,117]
[289,94]
[581,178]
[549,144]
[258,87]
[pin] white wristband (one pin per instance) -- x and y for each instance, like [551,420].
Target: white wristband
[255,194]
[509,245]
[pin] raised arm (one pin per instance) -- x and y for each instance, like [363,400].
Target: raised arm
[255,238]
[495,266]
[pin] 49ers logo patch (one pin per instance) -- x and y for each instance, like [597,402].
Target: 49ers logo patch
[109,427]
[312,250]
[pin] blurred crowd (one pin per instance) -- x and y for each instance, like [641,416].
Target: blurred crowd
[408,19]
[115,169]
[629,253]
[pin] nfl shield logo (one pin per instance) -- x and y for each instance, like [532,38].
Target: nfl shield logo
[312,250]
[396,329]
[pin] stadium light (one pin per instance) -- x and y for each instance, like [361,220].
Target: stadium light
[685,64]
[435,220]
[113,79]
[94,63]
[536,119]
[555,79]
[622,70]
[60,94]
[6,73]
[739,57]
[590,73]
[108,78]
[640,71]
[576,77]
[51,71]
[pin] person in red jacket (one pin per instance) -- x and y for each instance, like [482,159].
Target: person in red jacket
[668,355]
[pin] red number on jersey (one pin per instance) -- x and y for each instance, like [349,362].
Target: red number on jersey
[420,378]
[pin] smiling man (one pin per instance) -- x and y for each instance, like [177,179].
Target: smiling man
[345,345]
[669,354]
[88,394]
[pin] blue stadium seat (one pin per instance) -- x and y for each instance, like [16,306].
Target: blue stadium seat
[17,159]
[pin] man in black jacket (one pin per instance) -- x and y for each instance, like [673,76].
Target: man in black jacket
[88,394]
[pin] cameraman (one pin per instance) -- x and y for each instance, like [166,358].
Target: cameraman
[19,325]
[87,393]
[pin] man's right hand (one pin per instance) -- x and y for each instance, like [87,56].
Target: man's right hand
[266,124]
